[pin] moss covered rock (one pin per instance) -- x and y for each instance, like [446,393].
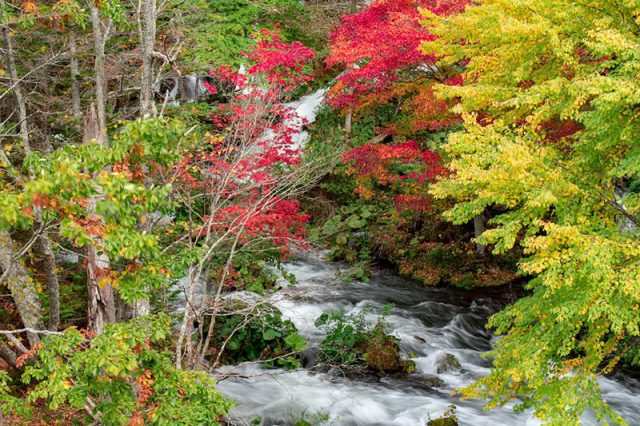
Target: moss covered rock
[431,381]
[382,353]
[448,418]
[383,356]
[448,363]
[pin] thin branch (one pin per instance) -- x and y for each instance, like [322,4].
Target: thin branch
[31,330]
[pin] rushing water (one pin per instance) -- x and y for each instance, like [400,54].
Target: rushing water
[430,322]
[306,109]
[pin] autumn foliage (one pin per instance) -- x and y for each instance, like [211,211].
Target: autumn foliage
[379,49]
[404,169]
[253,145]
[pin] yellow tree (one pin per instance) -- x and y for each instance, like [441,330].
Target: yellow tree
[551,103]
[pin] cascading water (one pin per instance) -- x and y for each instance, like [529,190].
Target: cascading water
[306,108]
[430,323]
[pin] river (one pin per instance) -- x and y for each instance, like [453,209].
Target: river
[429,322]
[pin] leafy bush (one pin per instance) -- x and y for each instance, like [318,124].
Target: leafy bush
[347,233]
[345,339]
[351,341]
[121,376]
[257,333]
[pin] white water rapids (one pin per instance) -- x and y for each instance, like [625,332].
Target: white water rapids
[430,322]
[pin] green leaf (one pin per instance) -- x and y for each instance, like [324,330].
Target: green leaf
[296,342]
[270,334]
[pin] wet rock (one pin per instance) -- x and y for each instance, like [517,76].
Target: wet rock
[448,363]
[448,418]
[383,356]
[431,381]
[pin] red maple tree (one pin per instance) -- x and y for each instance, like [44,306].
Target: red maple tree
[248,166]
[397,172]
[379,48]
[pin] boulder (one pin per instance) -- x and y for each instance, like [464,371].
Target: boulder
[448,418]
[448,363]
[431,381]
[383,356]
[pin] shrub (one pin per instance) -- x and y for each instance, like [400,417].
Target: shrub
[121,377]
[257,333]
[351,341]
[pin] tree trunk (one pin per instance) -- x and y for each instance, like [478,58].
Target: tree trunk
[348,123]
[102,307]
[75,78]
[53,285]
[186,328]
[99,39]
[478,229]
[23,289]
[8,356]
[142,307]
[17,90]
[148,40]
[42,243]
[148,31]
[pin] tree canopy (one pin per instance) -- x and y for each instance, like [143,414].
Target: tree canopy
[550,109]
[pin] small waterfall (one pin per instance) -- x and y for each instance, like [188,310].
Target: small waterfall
[174,90]
[306,109]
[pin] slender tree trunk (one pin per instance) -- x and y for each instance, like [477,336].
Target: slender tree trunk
[23,289]
[478,229]
[101,303]
[53,285]
[99,39]
[148,31]
[348,123]
[42,245]
[102,308]
[17,90]
[186,328]
[142,307]
[75,78]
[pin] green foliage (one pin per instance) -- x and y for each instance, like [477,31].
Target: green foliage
[350,339]
[123,373]
[219,31]
[258,333]
[72,307]
[550,109]
[68,178]
[346,335]
[312,419]
[632,354]
[359,230]
[346,232]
